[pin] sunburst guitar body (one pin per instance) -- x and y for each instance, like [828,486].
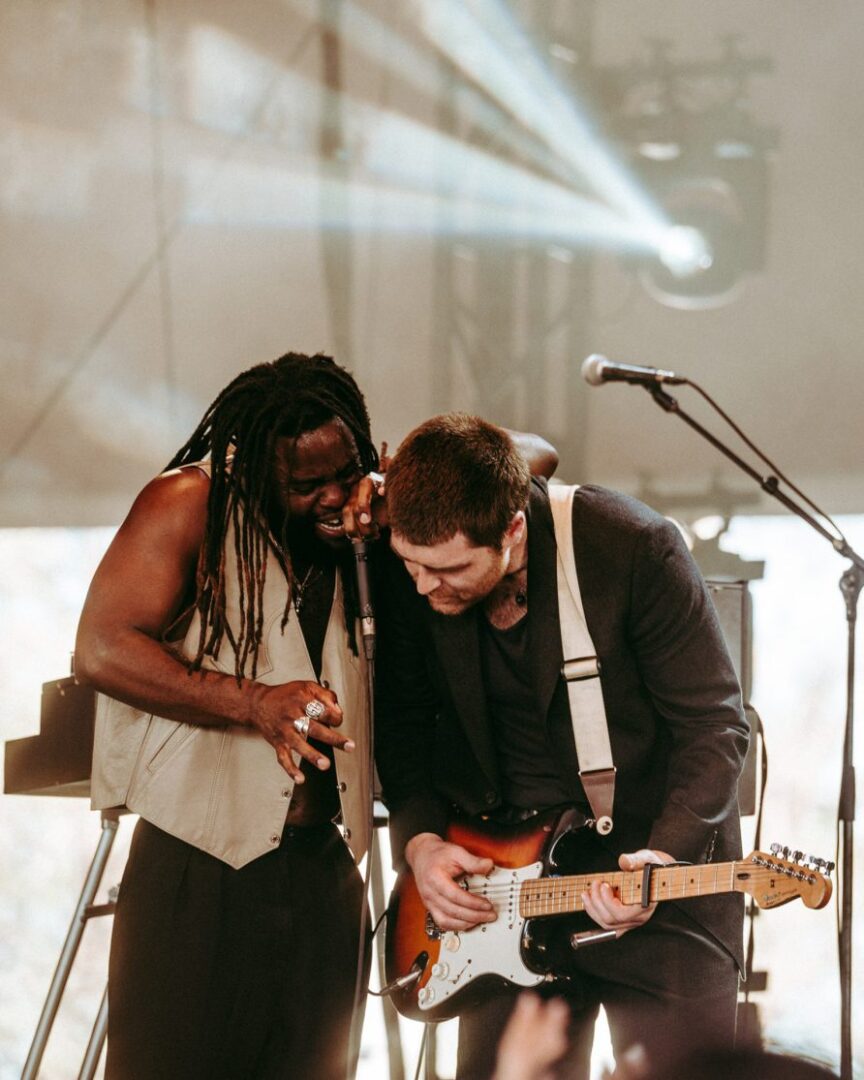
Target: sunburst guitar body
[444,971]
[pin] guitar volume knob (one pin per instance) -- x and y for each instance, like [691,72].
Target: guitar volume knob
[440,971]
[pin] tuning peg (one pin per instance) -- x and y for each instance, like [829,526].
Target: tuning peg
[822,865]
[797,856]
[775,849]
[785,852]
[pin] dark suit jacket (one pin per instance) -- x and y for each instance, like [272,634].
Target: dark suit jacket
[673,704]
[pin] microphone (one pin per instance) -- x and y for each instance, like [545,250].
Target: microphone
[364,591]
[597,369]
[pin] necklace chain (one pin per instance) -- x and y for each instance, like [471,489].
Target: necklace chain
[298,588]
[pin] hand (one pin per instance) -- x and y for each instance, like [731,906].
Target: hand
[631,1065]
[274,712]
[436,865]
[365,512]
[606,909]
[534,1039]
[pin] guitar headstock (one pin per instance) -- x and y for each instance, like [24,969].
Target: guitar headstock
[784,875]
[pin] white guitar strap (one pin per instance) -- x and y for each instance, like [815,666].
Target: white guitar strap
[581,670]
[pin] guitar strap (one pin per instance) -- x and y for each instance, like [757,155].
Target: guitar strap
[581,670]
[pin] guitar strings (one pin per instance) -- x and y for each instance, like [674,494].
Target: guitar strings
[561,885]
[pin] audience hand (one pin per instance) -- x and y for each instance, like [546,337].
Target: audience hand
[534,1039]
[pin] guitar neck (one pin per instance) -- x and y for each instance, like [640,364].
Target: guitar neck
[559,895]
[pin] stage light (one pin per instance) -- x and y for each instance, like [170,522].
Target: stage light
[403,153]
[491,50]
[709,527]
[421,69]
[694,146]
[685,252]
[400,175]
[700,261]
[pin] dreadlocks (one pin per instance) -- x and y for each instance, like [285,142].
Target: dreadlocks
[285,397]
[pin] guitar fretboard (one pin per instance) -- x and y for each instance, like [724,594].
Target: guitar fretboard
[557,895]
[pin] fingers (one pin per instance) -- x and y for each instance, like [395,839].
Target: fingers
[534,1039]
[437,865]
[332,716]
[357,511]
[282,719]
[289,741]
[633,1064]
[361,514]
[606,909]
[321,728]
[473,864]
[635,860]
[454,908]
[285,757]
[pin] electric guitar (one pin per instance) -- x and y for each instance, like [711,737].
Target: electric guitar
[432,974]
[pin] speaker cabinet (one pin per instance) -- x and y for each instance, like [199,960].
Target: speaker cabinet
[734,609]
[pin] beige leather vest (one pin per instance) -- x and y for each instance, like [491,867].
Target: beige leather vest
[221,788]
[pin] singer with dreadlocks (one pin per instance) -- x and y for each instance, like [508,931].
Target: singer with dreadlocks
[220,632]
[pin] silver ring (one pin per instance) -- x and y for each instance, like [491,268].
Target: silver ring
[314,710]
[301,726]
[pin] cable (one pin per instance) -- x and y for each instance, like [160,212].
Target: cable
[356,1021]
[757,843]
[421,1057]
[778,473]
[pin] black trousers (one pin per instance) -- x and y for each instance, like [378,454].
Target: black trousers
[666,985]
[223,974]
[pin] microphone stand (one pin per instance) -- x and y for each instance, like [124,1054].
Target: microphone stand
[851,583]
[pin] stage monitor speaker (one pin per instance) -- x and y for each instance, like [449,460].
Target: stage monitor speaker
[57,760]
[734,609]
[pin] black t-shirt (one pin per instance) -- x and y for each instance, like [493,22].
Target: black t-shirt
[530,779]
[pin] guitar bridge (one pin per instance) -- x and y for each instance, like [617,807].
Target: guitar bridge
[433,930]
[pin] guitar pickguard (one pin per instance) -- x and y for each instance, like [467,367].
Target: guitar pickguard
[489,949]
[441,972]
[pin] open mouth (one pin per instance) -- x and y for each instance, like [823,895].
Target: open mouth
[331,526]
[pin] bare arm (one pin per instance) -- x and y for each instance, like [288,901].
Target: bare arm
[542,457]
[136,593]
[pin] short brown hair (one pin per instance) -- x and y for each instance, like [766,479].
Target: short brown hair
[456,473]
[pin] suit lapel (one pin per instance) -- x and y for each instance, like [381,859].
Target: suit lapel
[544,630]
[458,646]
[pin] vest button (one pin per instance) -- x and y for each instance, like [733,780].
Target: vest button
[325,684]
[347,834]
[286,793]
[343,786]
[274,839]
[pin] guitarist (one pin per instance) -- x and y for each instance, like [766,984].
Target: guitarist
[473,717]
